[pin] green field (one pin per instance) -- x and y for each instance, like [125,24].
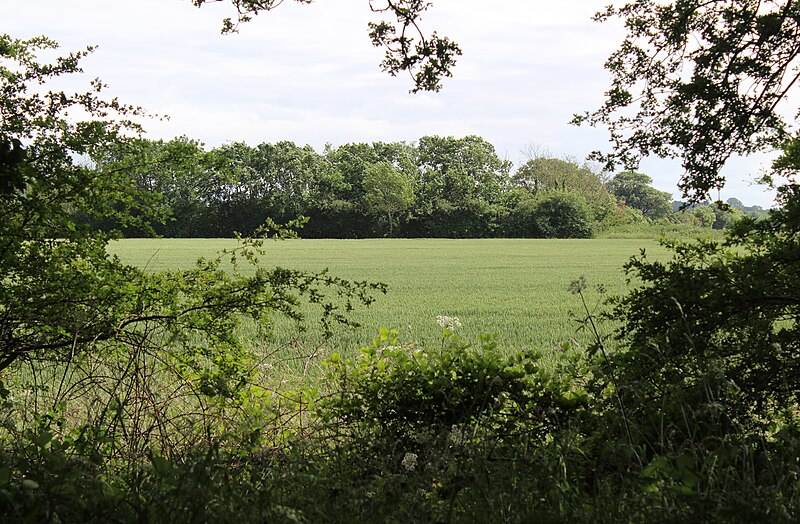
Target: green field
[515,288]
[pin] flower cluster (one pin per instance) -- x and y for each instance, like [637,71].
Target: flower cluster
[409,461]
[446,322]
[456,435]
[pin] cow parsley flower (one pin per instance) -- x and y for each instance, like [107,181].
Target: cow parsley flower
[446,322]
[409,461]
[456,435]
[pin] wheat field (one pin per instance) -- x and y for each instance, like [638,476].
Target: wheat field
[515,288]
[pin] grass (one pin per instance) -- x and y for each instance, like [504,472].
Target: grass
[660,230]
[515,288]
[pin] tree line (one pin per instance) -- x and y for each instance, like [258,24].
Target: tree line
[436,187]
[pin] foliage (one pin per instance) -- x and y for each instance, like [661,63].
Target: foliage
[179,175]
[62,293]
[725,216]
[752,211]
[104,365]
[432,57]
[706,367]
[450,187]
[635,190]
[387,190]
[699,81]
[59,289]
[708,341]
[560,215]
[737,308]
[400,391]
[460,188]
[553,174]
[128,389]
[552,215]
[436,433]
[661,230]
[269,181]
[705,215]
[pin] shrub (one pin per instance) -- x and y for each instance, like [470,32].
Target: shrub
[563,215]
[705,215]
[426,430]
[400,390]
[552,215]
[708,366]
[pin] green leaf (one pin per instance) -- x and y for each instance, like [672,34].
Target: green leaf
[29,484]
[161,465]
[42,439]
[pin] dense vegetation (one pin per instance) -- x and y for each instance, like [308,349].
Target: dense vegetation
[131,396]
[437,187]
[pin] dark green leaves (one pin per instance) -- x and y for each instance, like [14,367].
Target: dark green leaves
[426,59]
[12,166]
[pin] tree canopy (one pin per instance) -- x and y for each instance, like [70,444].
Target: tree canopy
[387,191]
[701,81]
[635,190]
[63,296]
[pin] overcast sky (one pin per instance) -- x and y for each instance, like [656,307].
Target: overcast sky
[308,73]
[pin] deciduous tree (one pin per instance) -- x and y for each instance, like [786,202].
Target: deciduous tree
[387,191]
[709,340]
[635,190]
[63,296]
[543,174]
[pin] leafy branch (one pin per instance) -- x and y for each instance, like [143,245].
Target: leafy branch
[427,59]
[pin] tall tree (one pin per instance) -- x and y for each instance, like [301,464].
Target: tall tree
[461,184]
[544,174]
[269,181]
[63,297]
[185,179]
[59,288]
[710,339]
[635,190]
[387,191]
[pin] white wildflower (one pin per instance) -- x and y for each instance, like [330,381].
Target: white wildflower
[456,435]
[446,322]
[409,461]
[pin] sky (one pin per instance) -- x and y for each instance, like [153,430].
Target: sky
[309,74]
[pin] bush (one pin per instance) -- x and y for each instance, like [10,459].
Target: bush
[708,366]
[724,312]
[400,390]
[705,215]
[553,215]
[426,430]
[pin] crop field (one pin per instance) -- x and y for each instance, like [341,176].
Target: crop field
[517,288]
